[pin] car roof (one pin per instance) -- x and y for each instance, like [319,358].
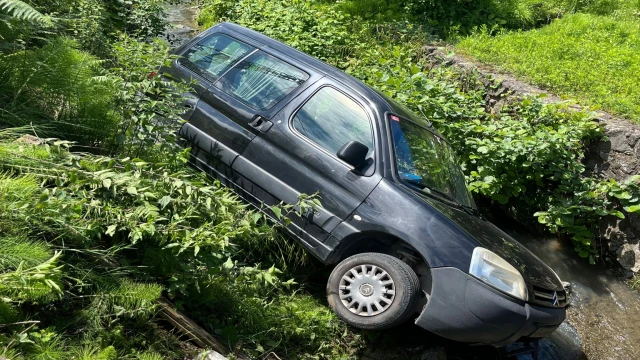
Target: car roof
[303,59]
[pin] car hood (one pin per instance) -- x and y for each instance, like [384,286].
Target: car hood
[533,270]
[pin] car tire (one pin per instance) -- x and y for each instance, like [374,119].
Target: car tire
[373,291]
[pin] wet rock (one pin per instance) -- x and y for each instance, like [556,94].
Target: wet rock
[628,255]
[618,140]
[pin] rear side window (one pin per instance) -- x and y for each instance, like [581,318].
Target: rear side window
[332,119]
[261,80]
[212,56]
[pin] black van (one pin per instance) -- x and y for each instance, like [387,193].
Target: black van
[396,216]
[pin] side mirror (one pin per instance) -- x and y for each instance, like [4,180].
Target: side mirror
[354,153]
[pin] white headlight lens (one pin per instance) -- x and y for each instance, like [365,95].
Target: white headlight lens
[495,271]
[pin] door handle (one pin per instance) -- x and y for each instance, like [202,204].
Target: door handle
[257,121]
[260,123]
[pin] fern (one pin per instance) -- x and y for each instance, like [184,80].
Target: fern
[16,250]
[116,298]
[23,11]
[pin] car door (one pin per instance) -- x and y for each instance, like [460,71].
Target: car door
[206,61]
[201,64]
[242,102]
[298,156]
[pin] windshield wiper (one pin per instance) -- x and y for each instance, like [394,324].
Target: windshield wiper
[468,209]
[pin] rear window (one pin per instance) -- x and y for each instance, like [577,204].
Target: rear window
[212,56]
[261,80]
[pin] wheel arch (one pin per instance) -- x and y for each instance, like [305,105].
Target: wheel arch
[373,241]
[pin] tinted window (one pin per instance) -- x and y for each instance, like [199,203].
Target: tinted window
[332,119]
[261,80]
[214,55]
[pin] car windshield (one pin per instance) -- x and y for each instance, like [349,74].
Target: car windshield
[426,160]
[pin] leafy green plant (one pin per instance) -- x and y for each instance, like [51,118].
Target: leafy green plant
[57,87]
[22,11]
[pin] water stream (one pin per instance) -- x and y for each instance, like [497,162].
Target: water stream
[604,317]
[603,321]
[182,23]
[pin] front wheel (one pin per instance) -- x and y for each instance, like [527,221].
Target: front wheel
[373,291]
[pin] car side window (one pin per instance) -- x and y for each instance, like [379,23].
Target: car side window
[212,56]
[332,119]
[261,80]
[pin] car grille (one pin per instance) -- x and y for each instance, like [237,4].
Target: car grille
[545,297]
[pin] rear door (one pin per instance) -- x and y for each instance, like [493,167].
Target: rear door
[202,63]
[242,102]
[298,155]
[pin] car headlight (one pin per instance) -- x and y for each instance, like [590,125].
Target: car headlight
[495,271]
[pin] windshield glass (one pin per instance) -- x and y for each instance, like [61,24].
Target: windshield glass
[428,161]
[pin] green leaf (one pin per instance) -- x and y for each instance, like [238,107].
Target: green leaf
[164,201]
[277,211]
[633,209]
[268,278]
[111,230]
[617,214]
[106,183]
[132,190]
[583,253]
[623,195]
[483,149]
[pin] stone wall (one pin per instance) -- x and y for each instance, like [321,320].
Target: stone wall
[617,156]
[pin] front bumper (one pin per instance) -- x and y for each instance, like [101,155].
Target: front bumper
[464,309]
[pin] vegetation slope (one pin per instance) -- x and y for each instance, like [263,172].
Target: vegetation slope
[99,215]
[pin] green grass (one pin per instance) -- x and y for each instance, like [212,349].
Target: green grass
[593,58]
